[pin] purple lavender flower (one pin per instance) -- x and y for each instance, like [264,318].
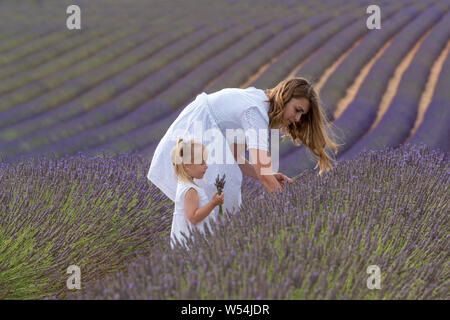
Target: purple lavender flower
[220,184]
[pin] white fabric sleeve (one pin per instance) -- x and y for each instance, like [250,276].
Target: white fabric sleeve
[256,129]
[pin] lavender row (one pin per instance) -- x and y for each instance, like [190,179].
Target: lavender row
[13,31]
[34,45]
[21,24]
[154,83]
[60,48]
[435,129]
[16,15]
[23,13]
[46,76]
[358,116]
[52,52]
[398,120]
[11,44]
[97,19]
[14,55]
[61,87]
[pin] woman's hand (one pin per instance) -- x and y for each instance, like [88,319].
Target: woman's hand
[282,179]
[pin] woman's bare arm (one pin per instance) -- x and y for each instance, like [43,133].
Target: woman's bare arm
[269,180]
[246,167]
[262,164]
[248,170]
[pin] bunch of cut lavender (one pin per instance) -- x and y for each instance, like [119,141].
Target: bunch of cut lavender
[220,184]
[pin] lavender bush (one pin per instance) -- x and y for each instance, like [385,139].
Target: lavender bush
[315,241]
[95,213]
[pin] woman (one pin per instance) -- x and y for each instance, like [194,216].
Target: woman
[292,106]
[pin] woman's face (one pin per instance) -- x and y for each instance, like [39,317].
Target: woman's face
[294,109]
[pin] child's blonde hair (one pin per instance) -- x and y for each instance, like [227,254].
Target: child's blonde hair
[186,152]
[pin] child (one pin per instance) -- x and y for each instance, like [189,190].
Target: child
[192,207]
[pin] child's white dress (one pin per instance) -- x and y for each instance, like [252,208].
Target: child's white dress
[180,222]
[206,120]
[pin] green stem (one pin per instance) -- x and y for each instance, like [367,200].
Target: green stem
[220,206]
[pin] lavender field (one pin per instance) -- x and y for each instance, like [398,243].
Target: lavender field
[82,111]
[388,208]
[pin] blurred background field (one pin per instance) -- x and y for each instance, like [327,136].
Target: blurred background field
[110,90]
[119,82]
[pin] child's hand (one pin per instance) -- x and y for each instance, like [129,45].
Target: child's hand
[216,199]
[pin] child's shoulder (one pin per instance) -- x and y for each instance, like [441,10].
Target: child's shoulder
[186,185]
[183,187]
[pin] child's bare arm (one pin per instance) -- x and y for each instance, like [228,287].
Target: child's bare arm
[195,214]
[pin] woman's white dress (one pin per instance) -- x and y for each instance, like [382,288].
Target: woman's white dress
[206,120]
[180,223]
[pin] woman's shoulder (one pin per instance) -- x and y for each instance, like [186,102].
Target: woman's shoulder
[259,93]
[233,104]
[248,96]
[259,97]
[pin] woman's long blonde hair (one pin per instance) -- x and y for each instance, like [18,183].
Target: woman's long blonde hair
[186,152]
[312,129]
